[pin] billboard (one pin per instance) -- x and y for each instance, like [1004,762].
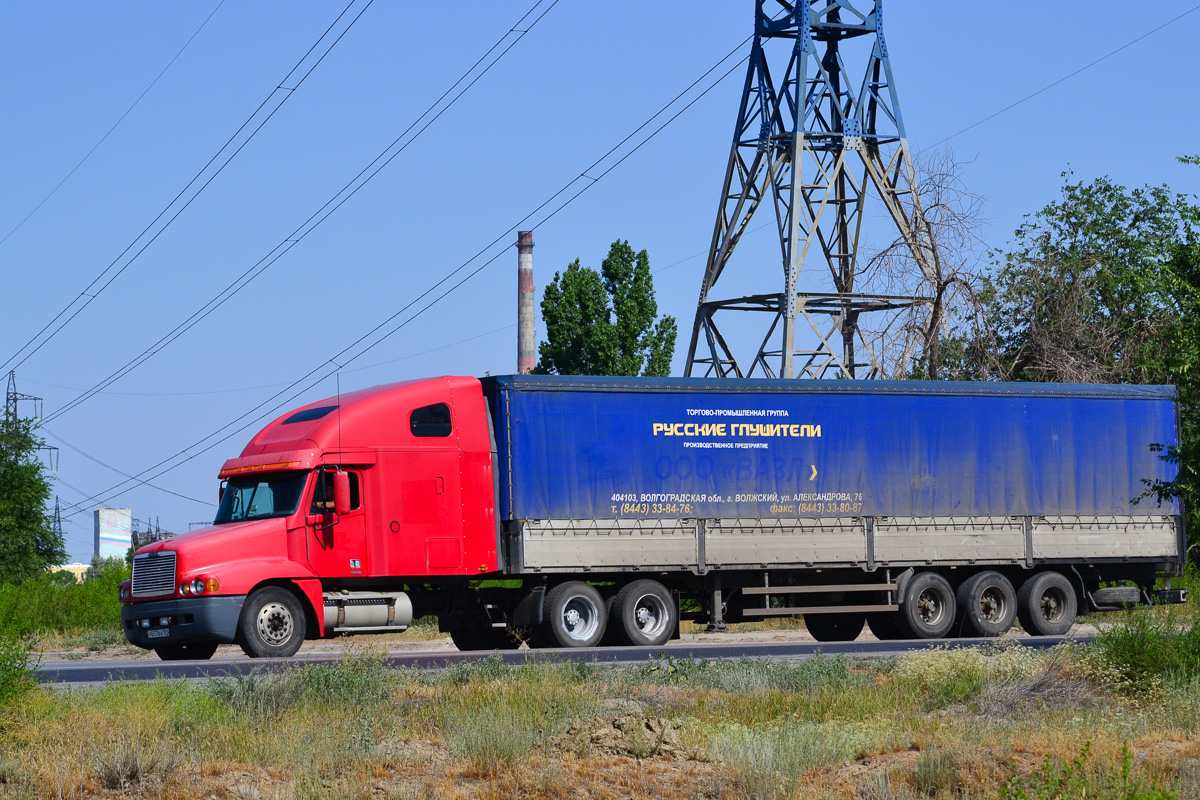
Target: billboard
[114,532]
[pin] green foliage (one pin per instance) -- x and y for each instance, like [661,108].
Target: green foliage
[747,676]
[937,771]
[606,323]
[46,604]
[28,543]
[1145,649]
[360,680]
[16,673]
[770,762]
[1058,780]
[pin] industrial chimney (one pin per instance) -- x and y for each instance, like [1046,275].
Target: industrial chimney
[525,335]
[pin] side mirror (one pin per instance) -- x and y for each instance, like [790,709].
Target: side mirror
[341,492]
[221,492]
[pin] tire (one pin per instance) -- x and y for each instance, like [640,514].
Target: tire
[272,624]
[575,616]
[643,614]
[200,651]
[885,625]
[837,627]
[476,637]
[987,605]
[928,610]
[1047,605]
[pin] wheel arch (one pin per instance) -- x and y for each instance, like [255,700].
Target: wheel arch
[303,590]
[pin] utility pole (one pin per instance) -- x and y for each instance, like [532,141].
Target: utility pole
[813,140]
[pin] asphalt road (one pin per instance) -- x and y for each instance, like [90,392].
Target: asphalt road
[87,671]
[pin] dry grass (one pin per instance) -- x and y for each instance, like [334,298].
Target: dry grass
[952,724]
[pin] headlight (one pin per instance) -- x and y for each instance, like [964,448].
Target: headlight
[123,592]
[199,586]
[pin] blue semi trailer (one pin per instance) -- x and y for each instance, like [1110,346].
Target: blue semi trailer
[920,509]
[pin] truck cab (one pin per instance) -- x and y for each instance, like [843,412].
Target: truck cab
[328,513]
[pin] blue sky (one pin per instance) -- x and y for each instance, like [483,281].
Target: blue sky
[585,76]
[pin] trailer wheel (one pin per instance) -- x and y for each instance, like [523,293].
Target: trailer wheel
[885,625]
[987,605]
[201,651]
[643,614]
[272,624]
[1046,605]
[477,637]
[574,615]
[928,610]
[837,627]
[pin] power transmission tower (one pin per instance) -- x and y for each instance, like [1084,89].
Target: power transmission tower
[812,141]
[13,398]
[58,530]
[12,401]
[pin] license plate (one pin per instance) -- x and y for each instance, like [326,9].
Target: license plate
[158,633]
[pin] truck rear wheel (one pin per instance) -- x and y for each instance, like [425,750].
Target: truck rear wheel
[643,614]
[837,627]
[201,651]
[987,605]
[1046,605]
[928,610]
[272,624]
[575,616]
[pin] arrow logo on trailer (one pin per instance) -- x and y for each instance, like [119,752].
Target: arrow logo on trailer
[814,475]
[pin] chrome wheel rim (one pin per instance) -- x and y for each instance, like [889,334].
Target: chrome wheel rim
[580,618]
[275,623]
[650,615]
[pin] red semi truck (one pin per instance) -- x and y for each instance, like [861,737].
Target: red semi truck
[576,512]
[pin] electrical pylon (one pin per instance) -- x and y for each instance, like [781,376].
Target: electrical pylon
[813,145]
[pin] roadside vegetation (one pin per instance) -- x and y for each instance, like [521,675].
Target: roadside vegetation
[1116,719]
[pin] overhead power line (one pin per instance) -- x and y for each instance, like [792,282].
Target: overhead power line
[108,133]
[401,143]
[1065,78]
[107,466]
[186,196]
[543,213]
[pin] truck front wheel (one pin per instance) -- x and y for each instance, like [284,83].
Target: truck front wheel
[643,614]
[928,610]
[575,616]
[272,624]
[1046,605]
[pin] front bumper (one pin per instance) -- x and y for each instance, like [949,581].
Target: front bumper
[183,621]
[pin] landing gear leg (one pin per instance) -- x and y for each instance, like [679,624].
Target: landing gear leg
[716,616]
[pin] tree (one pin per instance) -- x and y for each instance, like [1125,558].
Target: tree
[28,543]
[1087,292]
[606,323]
[1102,286]
[944,228]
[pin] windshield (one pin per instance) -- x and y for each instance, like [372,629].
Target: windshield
[261,496]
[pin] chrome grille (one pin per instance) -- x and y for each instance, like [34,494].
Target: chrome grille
[154,574]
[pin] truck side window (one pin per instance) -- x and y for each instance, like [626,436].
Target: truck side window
[431,420]
[322,498]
